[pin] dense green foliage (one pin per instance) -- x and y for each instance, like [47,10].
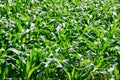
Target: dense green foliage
[60,39]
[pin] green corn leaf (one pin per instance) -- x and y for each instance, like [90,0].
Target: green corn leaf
[32,70]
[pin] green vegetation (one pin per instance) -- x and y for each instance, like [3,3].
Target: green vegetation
[59,40]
